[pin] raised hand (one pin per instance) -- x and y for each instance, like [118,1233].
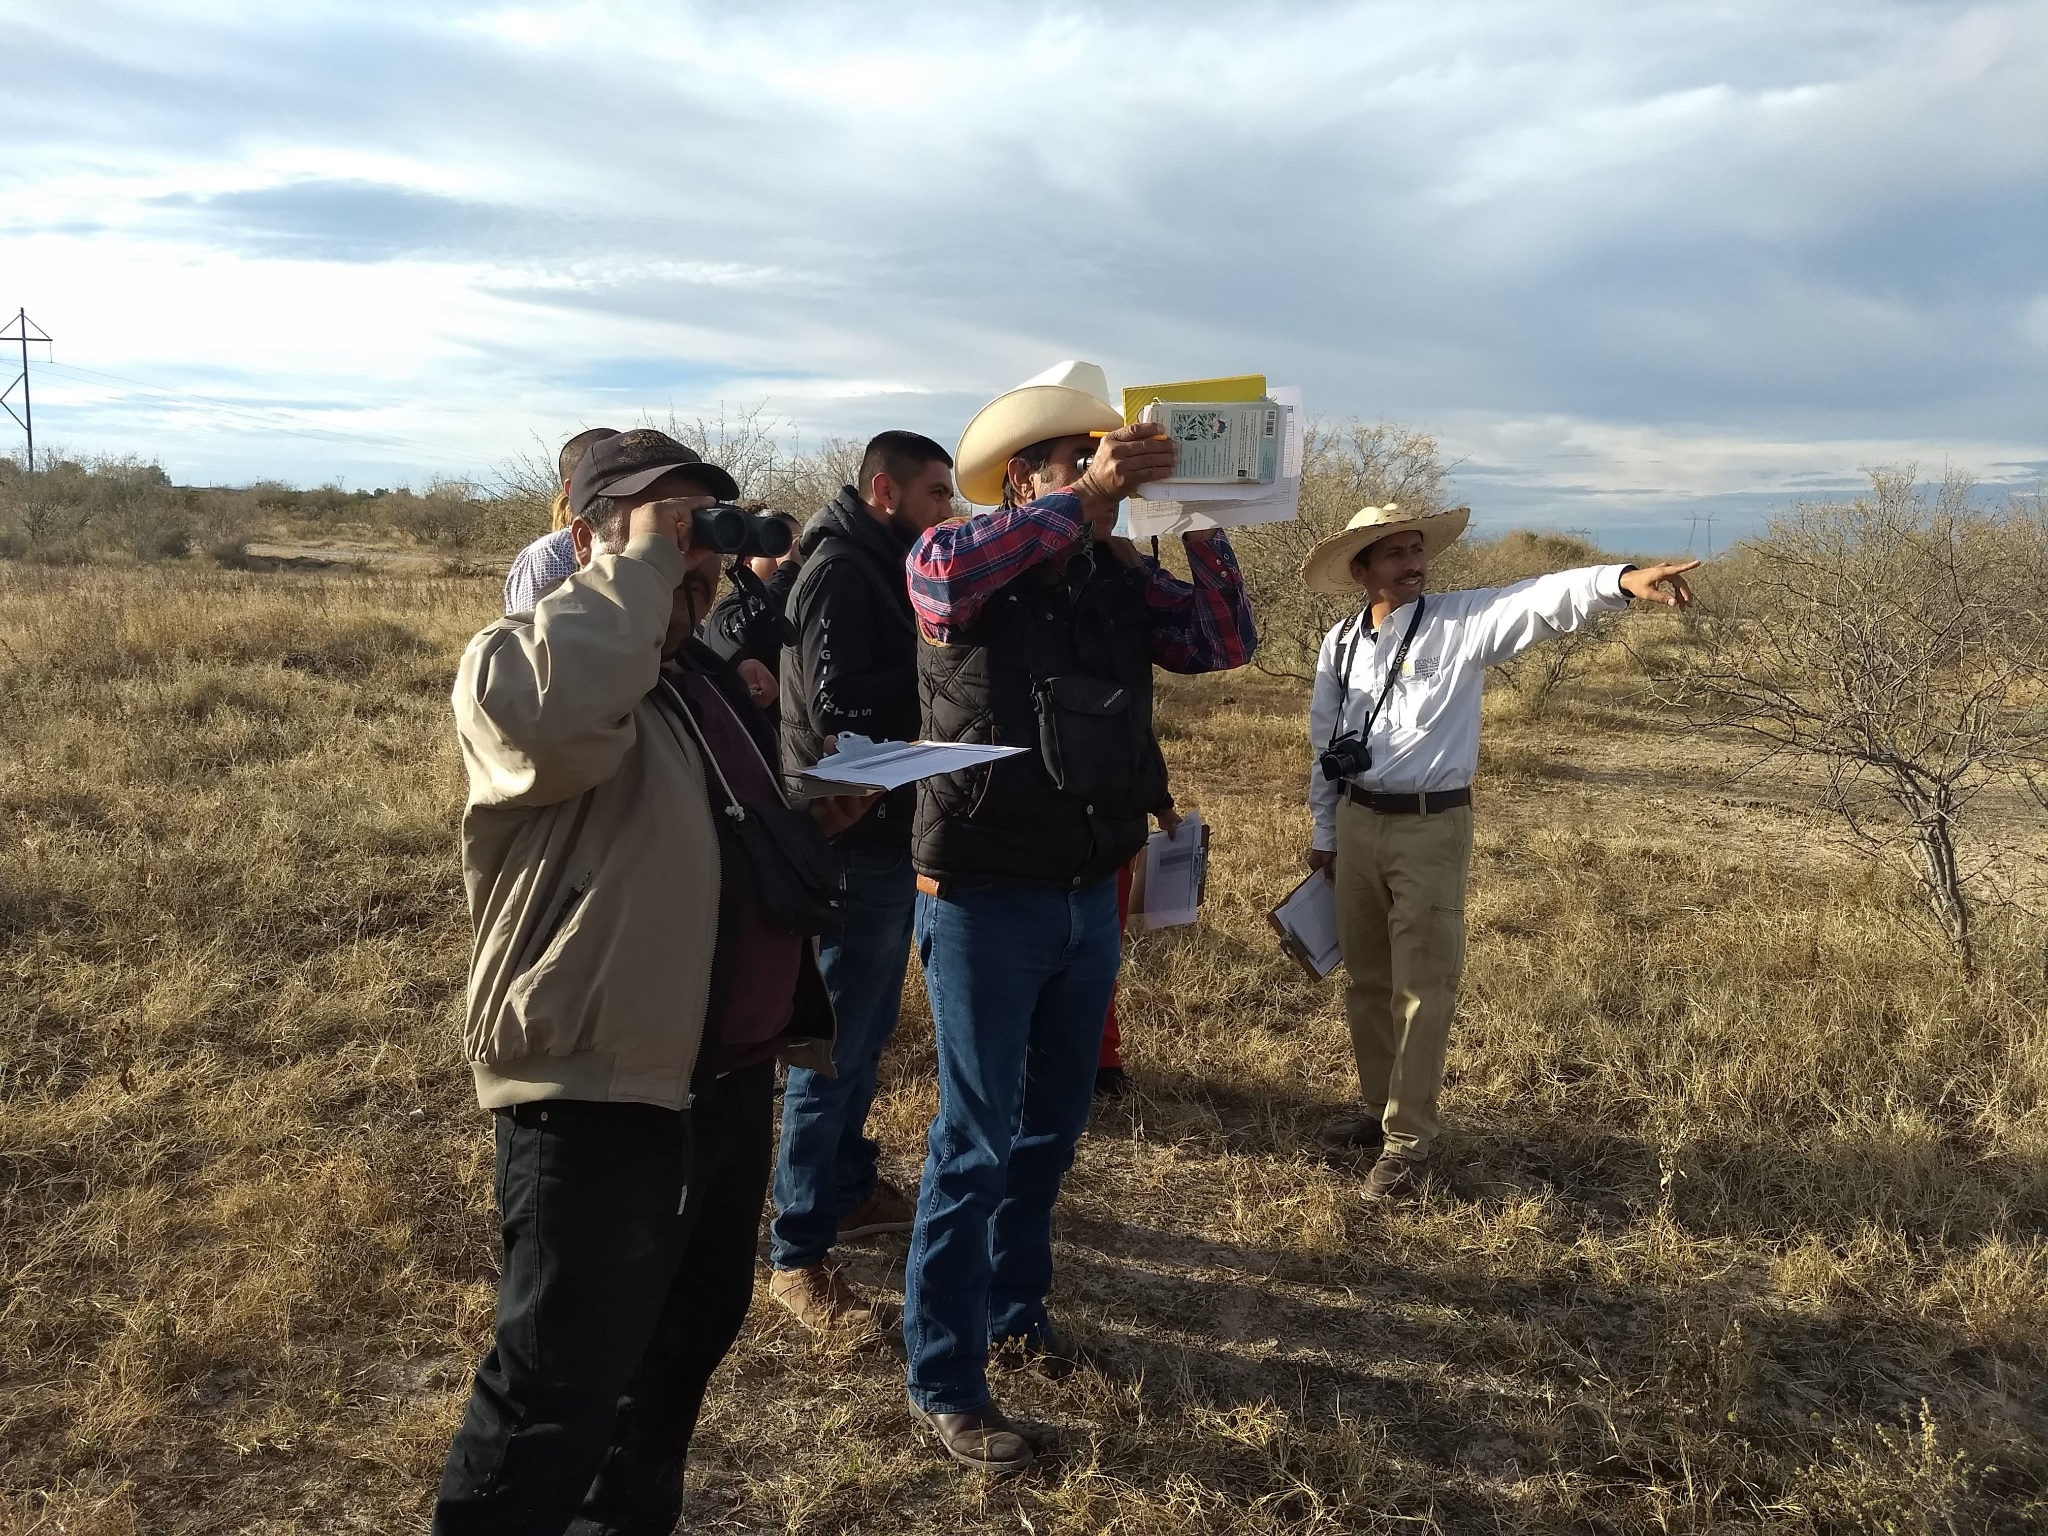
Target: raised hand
[669,517]
[1660,583]
[1124,460]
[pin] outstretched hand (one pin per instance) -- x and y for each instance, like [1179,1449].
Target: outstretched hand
[1664,584]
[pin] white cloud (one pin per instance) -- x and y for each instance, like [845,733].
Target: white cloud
[1692,253]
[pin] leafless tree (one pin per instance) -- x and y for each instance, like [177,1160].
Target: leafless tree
[1896,641]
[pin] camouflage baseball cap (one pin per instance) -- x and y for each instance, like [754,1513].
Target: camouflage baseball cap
[626,463]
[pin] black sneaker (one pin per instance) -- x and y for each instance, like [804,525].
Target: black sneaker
[1111,1082]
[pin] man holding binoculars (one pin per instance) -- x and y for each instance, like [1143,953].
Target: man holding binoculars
[641,961]
[1394,724]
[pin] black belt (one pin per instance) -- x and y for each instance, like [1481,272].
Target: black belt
[1427,804]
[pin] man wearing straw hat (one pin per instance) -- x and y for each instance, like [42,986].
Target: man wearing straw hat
[1394,723]
[1040,631]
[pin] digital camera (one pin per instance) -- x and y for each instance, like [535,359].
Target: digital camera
[740,534]
[1345,758]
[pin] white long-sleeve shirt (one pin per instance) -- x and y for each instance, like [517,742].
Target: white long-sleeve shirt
[1427,735]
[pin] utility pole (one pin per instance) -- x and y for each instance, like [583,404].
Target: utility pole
[18,329]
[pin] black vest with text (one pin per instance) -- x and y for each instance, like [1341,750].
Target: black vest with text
[1059,662]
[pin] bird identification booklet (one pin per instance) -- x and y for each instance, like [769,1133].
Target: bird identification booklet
[1307,924]
[1165,508]
[860,765]
[1222,442]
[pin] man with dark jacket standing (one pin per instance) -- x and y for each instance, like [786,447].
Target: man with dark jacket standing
[1042,632]
[854,668]
[628,997]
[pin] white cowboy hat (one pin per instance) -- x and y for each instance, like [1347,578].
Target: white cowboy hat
[1067,399]
[1328,567]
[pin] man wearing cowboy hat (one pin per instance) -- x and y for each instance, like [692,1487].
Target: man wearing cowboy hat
[1394,722]
[1041,632]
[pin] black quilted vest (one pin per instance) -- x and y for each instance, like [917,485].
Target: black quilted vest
[1059,662]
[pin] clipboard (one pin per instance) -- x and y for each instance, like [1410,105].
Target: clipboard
[1306,923]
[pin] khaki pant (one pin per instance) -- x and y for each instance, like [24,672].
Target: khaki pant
[1401,922]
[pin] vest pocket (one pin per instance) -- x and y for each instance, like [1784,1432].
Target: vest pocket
[1086,735]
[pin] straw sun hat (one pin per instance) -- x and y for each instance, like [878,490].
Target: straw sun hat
[1067,399]
[1328,567]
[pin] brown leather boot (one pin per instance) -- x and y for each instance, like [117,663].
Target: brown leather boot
[1397,1176]
[888,1209]
[825,1301]
[1353,1133]
[981,1438]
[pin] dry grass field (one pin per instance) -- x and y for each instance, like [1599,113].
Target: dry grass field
[1742,1224]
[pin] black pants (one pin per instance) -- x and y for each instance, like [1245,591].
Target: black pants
[629,1235]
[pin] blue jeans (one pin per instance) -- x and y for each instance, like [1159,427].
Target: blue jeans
[1019,981]
[825,1165]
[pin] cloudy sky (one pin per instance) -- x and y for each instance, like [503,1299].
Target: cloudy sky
[1637,265]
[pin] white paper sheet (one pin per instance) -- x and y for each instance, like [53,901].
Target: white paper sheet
[1174,866]
[859,764]
[1308,918]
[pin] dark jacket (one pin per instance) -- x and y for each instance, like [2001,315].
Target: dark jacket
[740,628]
[854,667]
[1060,662]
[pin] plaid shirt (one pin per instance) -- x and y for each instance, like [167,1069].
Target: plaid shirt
[1200,626]
[541,567]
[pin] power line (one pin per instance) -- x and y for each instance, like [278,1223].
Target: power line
[26,417]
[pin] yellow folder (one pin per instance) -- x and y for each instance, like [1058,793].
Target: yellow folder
[1245,386]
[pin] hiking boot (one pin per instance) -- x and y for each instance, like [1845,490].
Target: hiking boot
[825,1301]
[1052,1355]
[980,1438]
[1396,1177]
[1111,1082]
[888,1209]
[1353,1133]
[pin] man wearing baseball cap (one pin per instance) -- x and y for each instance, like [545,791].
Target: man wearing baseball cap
[1394,724]
[1041,632]
[629,993]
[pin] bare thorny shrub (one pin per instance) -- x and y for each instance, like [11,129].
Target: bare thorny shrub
[747,443]
[1897,642]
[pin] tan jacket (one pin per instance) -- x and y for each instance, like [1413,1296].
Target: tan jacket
[588,850]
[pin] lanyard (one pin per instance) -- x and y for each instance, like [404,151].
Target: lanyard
[1393,672]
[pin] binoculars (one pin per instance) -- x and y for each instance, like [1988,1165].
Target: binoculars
[739,534]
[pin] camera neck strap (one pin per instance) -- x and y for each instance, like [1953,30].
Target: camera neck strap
[742,576]
[1393,671]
